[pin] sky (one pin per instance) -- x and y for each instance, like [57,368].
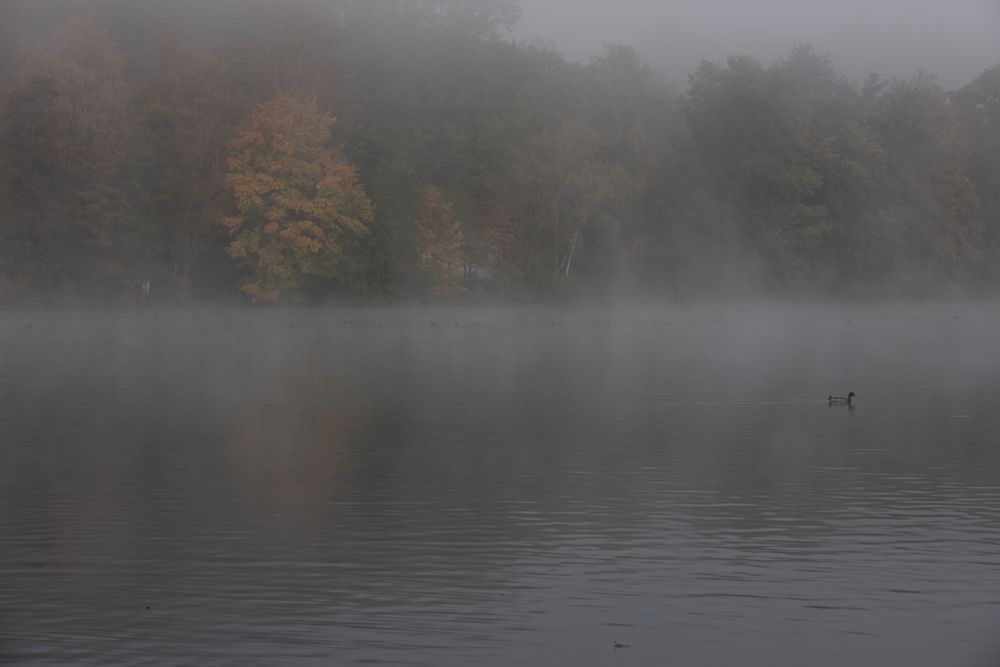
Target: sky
[953,39]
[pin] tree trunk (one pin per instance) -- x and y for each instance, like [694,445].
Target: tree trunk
[572,249]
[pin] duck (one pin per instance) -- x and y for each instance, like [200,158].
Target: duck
[841,400]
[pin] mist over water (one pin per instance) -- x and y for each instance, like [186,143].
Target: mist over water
[501,486]
[652,475]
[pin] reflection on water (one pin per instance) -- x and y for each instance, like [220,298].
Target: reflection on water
[454,487]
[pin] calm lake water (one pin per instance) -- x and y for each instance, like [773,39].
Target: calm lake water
[501,487]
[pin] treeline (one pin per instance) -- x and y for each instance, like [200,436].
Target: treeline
[405,149]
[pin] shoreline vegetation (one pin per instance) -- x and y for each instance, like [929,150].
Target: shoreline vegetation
[351,153]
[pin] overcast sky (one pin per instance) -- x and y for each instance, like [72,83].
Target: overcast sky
[955,39]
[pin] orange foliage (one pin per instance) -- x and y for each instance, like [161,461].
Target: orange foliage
[299,207]
[441,242]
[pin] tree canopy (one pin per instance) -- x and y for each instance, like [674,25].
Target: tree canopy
[189,149]
[298,207]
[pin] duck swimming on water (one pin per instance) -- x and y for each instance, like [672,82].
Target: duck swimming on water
[841,400]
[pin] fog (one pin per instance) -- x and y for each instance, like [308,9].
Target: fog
[955,40]
[454,486]
[495,150]
[487,332]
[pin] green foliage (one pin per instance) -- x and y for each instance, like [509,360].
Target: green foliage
[926,191]
[978,109]
[757,128]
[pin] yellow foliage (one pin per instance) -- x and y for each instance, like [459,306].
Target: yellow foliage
[441,241]
[299,206]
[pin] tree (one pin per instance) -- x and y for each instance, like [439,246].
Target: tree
[978,107]
[621,95]
[754,128]
[189,109]
[64,133]
[440,234]
[299,207]
[284,48]
[32,178]
[636,116]
[436,105]
[928,193]
[794,153]
[566,191]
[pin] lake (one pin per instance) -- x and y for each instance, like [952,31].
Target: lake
[519,486]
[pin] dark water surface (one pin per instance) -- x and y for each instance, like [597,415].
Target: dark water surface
[511,487]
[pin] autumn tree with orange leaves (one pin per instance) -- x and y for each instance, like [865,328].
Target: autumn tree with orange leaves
[440,234]
[299,206]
